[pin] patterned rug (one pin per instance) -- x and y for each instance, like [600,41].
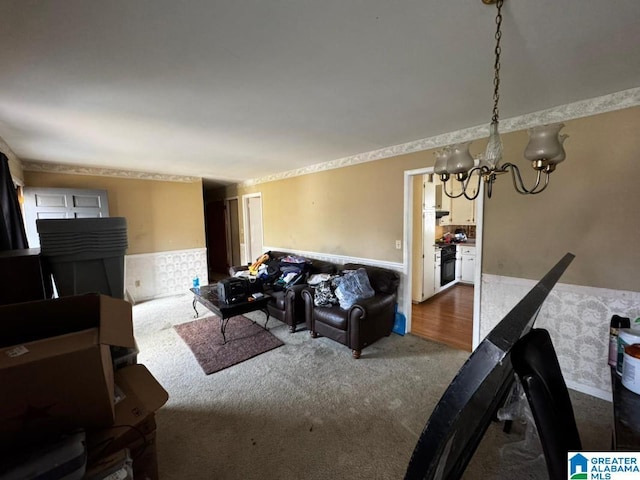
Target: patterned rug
[245,340]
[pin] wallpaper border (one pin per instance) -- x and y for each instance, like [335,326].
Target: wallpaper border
[584,108]
[31,166]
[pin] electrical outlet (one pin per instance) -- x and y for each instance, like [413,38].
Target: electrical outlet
[398,244]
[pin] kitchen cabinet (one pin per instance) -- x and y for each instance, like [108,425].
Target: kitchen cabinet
[443,203]
[468,266]
[461,211]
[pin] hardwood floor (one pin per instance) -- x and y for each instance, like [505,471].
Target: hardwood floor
[446,317]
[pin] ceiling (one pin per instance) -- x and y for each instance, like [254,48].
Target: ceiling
[235,90]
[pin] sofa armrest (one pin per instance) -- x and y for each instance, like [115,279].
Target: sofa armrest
[294,305]
[307,297]
[370,319]
[368,307]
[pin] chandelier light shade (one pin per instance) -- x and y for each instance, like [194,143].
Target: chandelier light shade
[545,149]
[460,161]
[442,158]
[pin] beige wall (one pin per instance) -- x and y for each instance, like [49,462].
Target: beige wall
[589,209]
[161,216]
[355,211]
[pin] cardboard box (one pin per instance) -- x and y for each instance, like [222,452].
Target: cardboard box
[55,364]
[140,395]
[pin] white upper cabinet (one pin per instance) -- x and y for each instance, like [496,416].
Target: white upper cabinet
[462,211]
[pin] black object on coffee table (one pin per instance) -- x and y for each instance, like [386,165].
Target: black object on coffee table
[207,295]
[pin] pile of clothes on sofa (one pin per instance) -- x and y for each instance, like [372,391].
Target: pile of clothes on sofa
[344,289]
[277,272]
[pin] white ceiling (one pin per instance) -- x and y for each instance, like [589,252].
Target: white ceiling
[238,89]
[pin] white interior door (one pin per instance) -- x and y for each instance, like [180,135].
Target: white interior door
[428,236]
[253,226]
[45,203]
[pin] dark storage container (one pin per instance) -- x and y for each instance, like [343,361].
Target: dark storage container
[85,254]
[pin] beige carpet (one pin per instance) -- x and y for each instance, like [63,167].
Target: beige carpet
[243,340]
[307,410]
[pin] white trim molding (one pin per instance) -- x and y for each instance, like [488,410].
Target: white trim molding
[160,274]
[584,108]
[46,167]
[577,318]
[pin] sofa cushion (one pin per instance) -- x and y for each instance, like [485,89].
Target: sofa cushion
[333,316]
[381,279]
[320,266]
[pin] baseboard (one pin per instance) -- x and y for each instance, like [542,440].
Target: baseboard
[594,392]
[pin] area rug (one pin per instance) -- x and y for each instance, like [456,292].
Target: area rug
[245,340]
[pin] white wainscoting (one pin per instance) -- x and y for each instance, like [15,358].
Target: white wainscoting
[154,275]
[577,318]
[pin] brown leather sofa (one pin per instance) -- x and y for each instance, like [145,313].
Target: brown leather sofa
[287,305]
[366,321]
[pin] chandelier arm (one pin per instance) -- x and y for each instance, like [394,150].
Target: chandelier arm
[519,184]
[451,195]
[477,192]
[546,183]
[490,186]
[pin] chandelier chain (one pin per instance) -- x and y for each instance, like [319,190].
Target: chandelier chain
[544,149]
[496,66]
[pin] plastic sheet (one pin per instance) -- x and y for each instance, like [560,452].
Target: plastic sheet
[354,285]
[516,409]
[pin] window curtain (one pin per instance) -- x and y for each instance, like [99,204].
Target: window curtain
[12,233]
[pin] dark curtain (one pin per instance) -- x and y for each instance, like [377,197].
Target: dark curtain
[12,233]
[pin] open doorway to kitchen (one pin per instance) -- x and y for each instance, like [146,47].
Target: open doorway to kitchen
[438,308]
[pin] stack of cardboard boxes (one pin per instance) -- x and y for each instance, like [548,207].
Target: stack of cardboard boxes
[57,377]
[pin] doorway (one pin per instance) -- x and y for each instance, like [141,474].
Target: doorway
[216,235]
[233,231]
[411,242]
[253,240]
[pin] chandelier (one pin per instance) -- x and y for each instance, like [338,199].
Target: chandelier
[545,148]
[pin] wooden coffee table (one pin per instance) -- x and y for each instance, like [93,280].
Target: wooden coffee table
[207,295]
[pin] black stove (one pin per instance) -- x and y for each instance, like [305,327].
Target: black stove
[447,264]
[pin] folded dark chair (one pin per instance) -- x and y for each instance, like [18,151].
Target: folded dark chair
[535,362]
